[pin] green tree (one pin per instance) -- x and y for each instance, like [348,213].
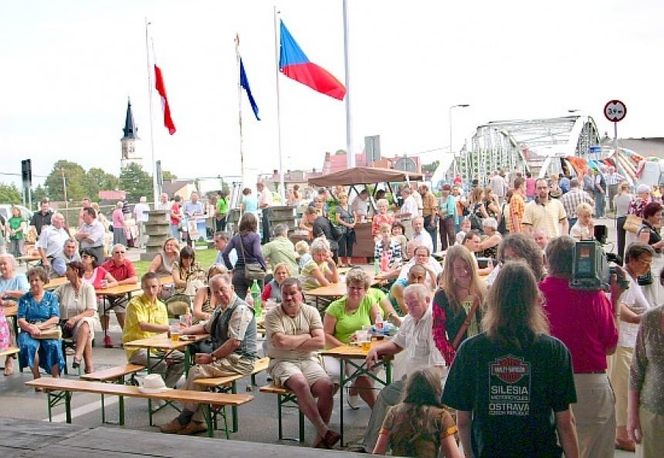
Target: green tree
[136,182]
[39,194]
[9,194]
[74,176]
[167,175]
[430,168]
[97,179]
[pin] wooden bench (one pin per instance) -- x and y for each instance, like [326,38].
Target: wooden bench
[60,389]
[9,351]
[285,397]
[228,384]
[115,374]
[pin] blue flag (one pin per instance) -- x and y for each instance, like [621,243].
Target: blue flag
[244,82]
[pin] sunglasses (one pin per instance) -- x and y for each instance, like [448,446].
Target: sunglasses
[119,252]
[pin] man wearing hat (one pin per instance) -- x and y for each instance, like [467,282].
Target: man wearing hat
[232,329]
[147,317]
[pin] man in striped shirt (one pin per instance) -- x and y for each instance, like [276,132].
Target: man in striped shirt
[613,179]
[573,198]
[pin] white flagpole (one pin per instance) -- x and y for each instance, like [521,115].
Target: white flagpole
[350,154]
[282,186]
[239,106]
[155,184]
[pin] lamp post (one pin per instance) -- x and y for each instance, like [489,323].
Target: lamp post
[460,105]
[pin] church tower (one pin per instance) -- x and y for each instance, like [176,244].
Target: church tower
[128,141]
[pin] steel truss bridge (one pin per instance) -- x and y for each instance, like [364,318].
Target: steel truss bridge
[536,145]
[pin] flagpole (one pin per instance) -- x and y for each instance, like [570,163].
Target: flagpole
[350,155]
[239,105]
[282,186]
[155,184]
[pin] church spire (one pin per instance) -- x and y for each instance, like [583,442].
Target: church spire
[130,130]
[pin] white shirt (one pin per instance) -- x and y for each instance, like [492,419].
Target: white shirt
[418,198]
[498,185]
[410,207]
[416,340]
[265,198]
[95,233]
[425,239]
[165,206]
[360,206]
[636,301]
[52,240]
[141,212]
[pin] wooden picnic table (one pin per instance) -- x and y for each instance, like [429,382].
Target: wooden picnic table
[167,345]
[349,355]
[28,260]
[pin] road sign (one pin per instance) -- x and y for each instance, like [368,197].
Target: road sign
[615,110]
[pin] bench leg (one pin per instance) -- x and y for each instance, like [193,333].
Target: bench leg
[301,426]
[54,398]
[281,431]
[121,418]
[103,410]
[236,422]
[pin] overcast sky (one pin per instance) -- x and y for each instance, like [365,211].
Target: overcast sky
[69,66]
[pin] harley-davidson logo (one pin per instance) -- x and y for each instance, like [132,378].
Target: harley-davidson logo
[509,369]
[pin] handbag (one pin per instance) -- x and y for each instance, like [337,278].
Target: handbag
[632,223]
[252,270]
[51,333]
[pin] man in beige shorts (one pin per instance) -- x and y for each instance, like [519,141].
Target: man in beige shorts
[294,335]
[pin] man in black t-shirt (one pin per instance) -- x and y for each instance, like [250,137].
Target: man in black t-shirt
[513,395]
[42,217]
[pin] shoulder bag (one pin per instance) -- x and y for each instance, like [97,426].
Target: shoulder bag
[252,270]
[632,223]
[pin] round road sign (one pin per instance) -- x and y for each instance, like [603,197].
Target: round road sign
[615,110]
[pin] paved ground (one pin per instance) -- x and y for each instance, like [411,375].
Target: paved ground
[257,419]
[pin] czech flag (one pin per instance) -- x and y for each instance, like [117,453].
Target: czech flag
[294,64]
[161,89]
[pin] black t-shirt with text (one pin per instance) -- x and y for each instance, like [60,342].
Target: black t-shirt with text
[513,395]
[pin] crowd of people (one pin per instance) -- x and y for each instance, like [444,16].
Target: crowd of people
[494,347]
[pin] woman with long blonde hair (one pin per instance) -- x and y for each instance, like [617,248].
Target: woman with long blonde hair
[512,385]
[457,305]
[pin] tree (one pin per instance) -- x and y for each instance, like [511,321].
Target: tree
[9,194]
[136,182]
[39,194]
[74,176]
[167,175]
[97,179]
[430,168]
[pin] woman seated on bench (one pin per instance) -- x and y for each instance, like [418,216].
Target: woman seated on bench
[38,313]
[78,309]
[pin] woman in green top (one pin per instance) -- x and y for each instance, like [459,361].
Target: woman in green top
[221,211]
[342,318]
[17,227]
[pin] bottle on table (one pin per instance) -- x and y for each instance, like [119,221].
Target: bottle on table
[255,291]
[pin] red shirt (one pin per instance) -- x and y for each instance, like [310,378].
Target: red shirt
[583,320]
[121,272]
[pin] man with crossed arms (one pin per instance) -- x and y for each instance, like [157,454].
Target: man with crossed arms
[294,335]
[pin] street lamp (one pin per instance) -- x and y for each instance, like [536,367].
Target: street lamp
[460,105]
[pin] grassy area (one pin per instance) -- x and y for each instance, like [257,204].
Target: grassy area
[204,257]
